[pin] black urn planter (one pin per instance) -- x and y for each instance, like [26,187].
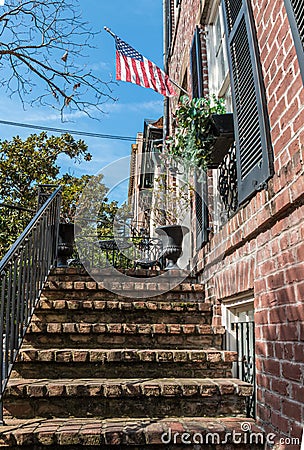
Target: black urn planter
[223,132]
[65,244]
[172,237]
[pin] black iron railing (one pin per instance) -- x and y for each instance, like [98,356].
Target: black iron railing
[23,271]
[123,252]
[245,347]
[228,183]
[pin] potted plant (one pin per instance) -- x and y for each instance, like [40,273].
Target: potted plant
[170,207]
[203,132]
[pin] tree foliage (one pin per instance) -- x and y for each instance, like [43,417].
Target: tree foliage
[44,41]
[24,164]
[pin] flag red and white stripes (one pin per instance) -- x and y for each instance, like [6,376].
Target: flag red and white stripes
[131,66]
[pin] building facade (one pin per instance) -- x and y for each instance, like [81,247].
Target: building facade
[250,251]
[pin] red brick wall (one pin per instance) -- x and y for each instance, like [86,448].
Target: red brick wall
[279,275]
[261,249]
[279,293]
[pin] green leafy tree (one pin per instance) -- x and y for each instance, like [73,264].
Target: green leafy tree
[24,164]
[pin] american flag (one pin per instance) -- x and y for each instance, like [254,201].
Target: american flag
[133,67]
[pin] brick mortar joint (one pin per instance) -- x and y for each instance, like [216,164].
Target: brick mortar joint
[267,225]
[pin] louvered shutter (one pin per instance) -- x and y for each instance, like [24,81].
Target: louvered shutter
[251,123]
[201,211]
[196,65]
[168,27]
[295,12]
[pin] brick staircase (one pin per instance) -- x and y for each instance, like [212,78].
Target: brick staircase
[97,370]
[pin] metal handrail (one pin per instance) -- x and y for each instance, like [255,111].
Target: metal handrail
[23,271]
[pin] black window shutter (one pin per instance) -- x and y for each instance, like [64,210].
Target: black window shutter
[196,65]
[251,123]
[201,210]
[168,27]
[295,12]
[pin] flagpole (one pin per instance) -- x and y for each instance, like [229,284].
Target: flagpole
[108,30]
[179,87]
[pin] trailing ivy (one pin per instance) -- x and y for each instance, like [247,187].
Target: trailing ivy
[193,137]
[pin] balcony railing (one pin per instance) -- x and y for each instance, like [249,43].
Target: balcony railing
[125,252]
[228,182]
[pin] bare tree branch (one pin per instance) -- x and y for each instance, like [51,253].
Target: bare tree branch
[42,44]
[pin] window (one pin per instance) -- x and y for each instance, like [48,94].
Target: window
[238,319]
[201,211]
[295,12]
[236,311]
[219,85]
[218,69]
[196,65]
[253,144]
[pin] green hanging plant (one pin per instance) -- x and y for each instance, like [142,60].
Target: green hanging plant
[194,137]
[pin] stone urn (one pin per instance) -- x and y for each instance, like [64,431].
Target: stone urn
[172,237]
[65,244]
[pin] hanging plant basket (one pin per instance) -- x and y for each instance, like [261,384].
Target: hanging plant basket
[223,131]
[203,132]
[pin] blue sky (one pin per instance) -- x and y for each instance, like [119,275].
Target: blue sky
[138,22]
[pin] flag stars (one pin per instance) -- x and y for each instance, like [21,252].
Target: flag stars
[127,50]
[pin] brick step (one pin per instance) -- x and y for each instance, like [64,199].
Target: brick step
[80,274]
[135,434]
[92,290]
[115,335]
[123,363]
[106,398]
[149,311]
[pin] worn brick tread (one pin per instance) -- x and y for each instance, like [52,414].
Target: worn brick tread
[87,432]
[125,328]
[29,355]
[46,304]
[163,286]
[104,387]
[68,273]
[72,341]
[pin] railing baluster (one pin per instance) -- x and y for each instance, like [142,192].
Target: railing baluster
[8,319]
[33,270]
[18,329]
[237,350]
[13,310]
[28,284]
[2,320]
[246,371]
